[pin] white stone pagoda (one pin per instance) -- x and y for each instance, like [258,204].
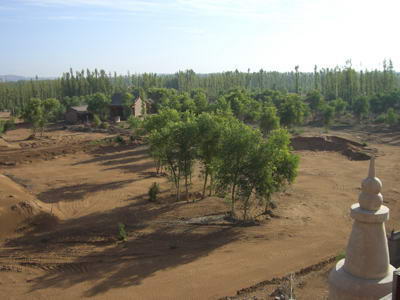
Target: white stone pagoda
[365,273]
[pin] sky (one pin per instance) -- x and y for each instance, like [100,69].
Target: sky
[47,37]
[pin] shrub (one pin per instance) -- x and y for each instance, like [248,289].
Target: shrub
[391,117]
[122,235]
[104,125]
[120,140]
[96,121]
[134,122]
[153,192]
[340,256]
[10,124]
[6,125]
[380,119]
[2,127]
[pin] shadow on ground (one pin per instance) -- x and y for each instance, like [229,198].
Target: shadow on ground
[154,243]
[79,191]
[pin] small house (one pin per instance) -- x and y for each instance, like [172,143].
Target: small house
[141,107]
[117,106]
[138,108]
[77,114]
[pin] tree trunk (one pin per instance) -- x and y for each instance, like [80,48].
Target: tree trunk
[267,203]
[246,204]
[205,185]
[211,185]
[178,195]
[187,188]
[233,200]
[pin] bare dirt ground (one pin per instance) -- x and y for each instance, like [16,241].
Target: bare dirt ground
[166,256]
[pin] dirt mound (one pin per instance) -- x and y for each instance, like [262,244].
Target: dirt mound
[5,145]
[19,209]
[351,149]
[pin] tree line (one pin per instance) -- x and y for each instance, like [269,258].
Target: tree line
[341,82]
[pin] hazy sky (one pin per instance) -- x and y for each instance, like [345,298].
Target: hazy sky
[47,37]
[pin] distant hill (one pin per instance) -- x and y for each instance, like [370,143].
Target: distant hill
[8,78]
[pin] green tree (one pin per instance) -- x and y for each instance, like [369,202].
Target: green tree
[339,105]
[269,120]
[392,118]
[39,112]
[315,101]
[328,114]
[210,128]
[282,167]
[200,100]
[175,146]
[127,102]
[99,104]
[292,111]
[51,108]
[160,120]
[237,143]
[361,107]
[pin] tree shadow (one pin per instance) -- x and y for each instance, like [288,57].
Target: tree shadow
[134,155]
[133,168]
[79,191]
[150,247]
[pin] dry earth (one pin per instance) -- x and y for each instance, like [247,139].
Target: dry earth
[77,254]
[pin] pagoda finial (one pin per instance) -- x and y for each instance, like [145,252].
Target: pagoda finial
[366,272]
[371,172]
[371,197]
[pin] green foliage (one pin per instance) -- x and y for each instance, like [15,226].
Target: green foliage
[9,124]
[6,125]
[119,140]
[153,192]
[104,125]
[174,147]
[316,101]
[340,256]
[237,146]
[99,104]
[222,106]
[134,122]
[250,167]
[361,107]
[380,119]
[68,102]
[269,120]
[160,120]
[282,167]
[339,105]
[127,102]
[292,111]
[392,118]
[210,130]
[122,235]
[2,127]
[339,82]
[200,100]
[328,113]
[239,101]
[96,120]
[186,103]
[39,112]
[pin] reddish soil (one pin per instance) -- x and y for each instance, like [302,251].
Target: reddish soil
[55,142]
[77,254]
[351,149]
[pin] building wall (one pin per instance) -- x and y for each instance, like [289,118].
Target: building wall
[138,108]
[71,116]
